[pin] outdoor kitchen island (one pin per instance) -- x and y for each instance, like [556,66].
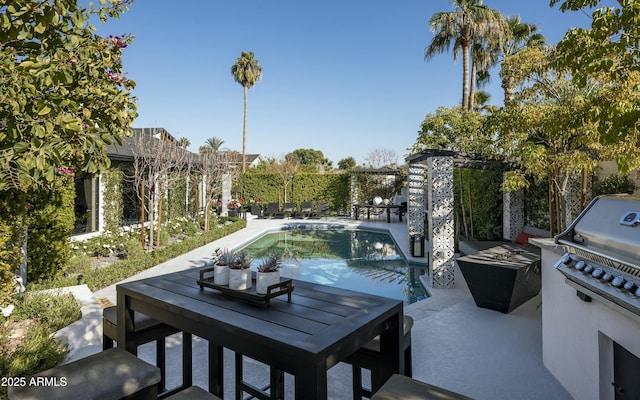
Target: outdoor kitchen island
[591,301]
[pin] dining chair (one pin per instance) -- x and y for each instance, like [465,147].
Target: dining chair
[146,330]
[368,357]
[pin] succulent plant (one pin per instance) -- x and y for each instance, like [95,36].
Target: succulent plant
[242,260]
[271,263]
[224,257]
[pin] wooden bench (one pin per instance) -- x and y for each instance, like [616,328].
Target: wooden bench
[113,374]
[193,393]
[402,387]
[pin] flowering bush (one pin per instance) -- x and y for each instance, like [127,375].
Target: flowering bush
[235,203]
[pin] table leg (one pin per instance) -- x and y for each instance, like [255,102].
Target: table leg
[311,383]
[187,360]
[216,370]
[392,349]
[388,215]
[125,323]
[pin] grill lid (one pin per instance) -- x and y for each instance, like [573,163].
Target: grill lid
[608,227]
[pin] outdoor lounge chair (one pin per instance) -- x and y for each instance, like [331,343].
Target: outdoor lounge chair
[255,210]
[272,210]
[306,209]
[287,210]
[322,209]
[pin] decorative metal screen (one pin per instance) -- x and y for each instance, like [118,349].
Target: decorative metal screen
[416,200]
[512,214]
[440,216]
[354,193]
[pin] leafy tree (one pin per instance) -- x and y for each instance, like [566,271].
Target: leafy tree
[311,158]
[454,129]
[64,96]
[470,22]
[608,53]
[347,163]
[247,72]
[546,130]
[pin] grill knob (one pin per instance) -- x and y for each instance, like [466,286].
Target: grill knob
[607,277]
[597,273]
[566,260]
[588,269]
[580,265]
[630,286]
[618,282]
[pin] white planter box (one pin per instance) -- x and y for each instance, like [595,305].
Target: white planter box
[238,278]
[221,274]
[266,279]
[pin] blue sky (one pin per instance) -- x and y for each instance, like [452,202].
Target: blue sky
[343,77]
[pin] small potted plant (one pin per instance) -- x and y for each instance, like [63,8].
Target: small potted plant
[268,273]
[223,258]
[239,272]
[244,260]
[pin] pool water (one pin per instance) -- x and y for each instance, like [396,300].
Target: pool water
[362,260]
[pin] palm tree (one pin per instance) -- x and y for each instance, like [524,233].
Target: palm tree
[211,145]
[470,22]
[246,71]
[522,35]
[184,142]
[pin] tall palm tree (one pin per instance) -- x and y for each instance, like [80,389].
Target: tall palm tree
[470,22]
[246,71]
[522,35]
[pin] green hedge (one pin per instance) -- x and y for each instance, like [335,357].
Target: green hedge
[13,211]
[120,270]
[50,225]
[269,188]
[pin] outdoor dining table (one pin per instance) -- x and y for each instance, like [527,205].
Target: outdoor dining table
[320,326]
[369,207]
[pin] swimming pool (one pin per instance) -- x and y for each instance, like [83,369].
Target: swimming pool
[363,260]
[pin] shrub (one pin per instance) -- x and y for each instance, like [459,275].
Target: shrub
[50,225]
[120,270]
[38,350]
[13,209]
[614,184]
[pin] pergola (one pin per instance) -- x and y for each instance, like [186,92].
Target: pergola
[355,172]
[435,198]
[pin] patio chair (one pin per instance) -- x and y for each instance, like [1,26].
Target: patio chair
[272,210]
[255,210]
[287,210]
[306,209]
[322,209]
[147,330]
[368,357]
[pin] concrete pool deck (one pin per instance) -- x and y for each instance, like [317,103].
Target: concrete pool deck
[477,352]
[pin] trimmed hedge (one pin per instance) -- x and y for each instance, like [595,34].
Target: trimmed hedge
[120,270]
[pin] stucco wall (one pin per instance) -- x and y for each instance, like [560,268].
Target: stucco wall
[577,336]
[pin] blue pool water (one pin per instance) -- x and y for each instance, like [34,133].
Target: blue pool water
[362,260]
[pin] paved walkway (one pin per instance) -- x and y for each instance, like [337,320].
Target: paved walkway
[480,353]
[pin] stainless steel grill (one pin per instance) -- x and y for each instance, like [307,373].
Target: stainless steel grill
[603,253]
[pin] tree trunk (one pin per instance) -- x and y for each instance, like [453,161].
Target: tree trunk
[244,132]
[472,87]
[142,215]
[465,77]
[159,226]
